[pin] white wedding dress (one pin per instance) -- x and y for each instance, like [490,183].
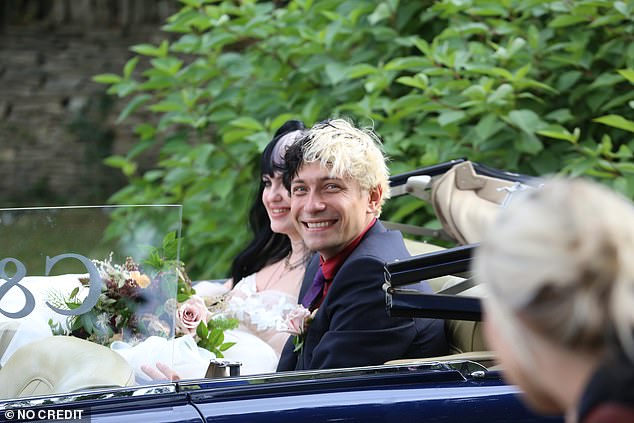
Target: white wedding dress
[258,341]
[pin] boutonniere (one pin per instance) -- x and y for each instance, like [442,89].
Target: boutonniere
[296,323]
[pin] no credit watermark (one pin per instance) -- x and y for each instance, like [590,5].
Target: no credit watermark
[45,414]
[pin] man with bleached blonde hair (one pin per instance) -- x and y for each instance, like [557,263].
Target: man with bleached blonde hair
[338,180]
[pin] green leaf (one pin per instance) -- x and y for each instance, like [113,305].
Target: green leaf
[558,132]
[447,117]
[407,209]
[566,20]
[627,74]
[226,345]
[336,72]
[107,78]
[236,135]
[182,297]
[605,80]
[420,80]
[74,293]
[127,167]
[528,143]
[527,120]
[423,46]
[247,122]
[167,106]
[381,13]
[168,65]
[488,126]
[132,106]
[146,50]
[616,121]
[606,20]
[145,131]
[407,63]
[358,71]
[129,67]
[202,331]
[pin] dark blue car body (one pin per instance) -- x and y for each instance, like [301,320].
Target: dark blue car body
[445,392]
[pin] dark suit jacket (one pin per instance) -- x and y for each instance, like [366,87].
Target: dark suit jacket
[351,327]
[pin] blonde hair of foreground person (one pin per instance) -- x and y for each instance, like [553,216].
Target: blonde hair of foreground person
[558,266]
[349,151]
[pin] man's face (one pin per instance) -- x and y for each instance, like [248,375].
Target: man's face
[329,212]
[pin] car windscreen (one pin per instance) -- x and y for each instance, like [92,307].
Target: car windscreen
[81,288]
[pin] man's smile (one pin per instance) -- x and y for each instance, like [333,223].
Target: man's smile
[320,224]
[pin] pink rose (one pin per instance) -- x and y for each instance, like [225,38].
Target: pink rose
[190,314]
[296,321]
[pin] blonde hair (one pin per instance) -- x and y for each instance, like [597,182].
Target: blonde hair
[562,259]
[349,151]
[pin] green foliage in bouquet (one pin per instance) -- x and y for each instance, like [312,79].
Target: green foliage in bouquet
[164,257]
[536,86]
[212,335]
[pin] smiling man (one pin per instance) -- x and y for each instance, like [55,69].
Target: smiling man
[338,180]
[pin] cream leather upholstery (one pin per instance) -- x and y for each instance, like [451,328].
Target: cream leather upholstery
[61,364]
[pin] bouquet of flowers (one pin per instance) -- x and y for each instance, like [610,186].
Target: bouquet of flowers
[125,308]
[136,302]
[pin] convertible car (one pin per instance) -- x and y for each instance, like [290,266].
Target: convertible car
[45,289]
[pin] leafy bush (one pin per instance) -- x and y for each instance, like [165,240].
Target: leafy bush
[534,86]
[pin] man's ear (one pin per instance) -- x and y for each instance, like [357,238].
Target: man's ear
[374,199]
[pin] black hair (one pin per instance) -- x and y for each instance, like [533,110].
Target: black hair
[294,157]
[266,247]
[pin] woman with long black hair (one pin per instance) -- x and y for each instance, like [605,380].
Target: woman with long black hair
[266,276]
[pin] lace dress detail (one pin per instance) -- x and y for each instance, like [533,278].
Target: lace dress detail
[260,312]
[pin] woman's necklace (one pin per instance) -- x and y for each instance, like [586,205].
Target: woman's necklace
[281,270]
[292,266]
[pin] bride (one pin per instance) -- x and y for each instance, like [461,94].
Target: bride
[266,276]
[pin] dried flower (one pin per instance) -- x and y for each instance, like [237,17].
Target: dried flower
[140,279]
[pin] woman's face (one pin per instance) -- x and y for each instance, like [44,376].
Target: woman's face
[533,391]
[278,204]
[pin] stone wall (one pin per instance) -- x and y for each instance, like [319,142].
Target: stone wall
[56,124]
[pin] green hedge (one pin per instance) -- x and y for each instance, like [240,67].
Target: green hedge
[533,86]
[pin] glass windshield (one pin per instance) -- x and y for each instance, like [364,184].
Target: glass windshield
[81,288]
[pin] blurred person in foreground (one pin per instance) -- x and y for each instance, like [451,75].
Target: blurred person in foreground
[558,266]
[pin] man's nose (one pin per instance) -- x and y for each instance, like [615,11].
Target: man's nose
[315,203]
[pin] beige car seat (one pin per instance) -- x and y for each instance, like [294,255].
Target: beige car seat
[62,364]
